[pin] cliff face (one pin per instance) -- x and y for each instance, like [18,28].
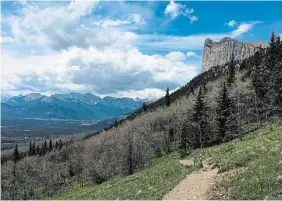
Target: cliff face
[219,53]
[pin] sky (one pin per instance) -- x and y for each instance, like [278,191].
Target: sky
[122,49]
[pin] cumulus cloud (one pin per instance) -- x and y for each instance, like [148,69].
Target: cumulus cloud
[103,71]
[231,23]
[59,28]
[175,56]
[176,9]
[191,54]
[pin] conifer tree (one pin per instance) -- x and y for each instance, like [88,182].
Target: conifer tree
[186,141]
[16,154]
[38,150]
[56,145]
[115,123]
[44,148]
[144,107]
[30,149]
[167,98]
[226,124]
[33,149]
[50,145]
[200,118]
[231,72]
[60,144]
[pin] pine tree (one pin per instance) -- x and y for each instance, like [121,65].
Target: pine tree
[38,150]
[226,126]
[50,145]
[200,118]
[16,154]
[167,98]
[56,145]
[44,148]
[33,149]
[231,72]
[144,107]
[30,149]
[60,144]
[130,159]
[115,123]
[186,141]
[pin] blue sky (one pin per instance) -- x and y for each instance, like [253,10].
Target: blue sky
[133,49]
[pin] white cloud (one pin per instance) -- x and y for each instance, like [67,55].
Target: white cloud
[132,18]
[175,56]
[176,9]
[191,54]
[231,23]
[148,93]
[193,18]
[102,71]
[173,9]
[244,27]
[137,18]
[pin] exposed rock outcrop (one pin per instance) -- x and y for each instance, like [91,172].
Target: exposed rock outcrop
[219,53]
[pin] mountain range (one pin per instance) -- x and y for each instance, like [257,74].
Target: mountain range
[73,106]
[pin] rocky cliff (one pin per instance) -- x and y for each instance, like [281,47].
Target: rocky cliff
[219,53]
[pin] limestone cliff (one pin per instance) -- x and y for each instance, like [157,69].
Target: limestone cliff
[219,53]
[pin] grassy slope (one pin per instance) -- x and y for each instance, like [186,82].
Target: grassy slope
[260,153]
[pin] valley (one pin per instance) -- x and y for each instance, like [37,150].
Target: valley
[22,131]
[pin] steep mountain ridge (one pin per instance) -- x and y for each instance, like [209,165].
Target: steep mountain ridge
[220,53]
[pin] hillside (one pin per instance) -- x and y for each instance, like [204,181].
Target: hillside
[250,169]
[213,113]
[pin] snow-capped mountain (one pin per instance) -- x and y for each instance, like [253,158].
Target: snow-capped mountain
[67,106]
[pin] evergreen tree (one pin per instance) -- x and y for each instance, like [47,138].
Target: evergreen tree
[115,123]
[259,76]
[144,107]
[186,141]
[44,148]
[130,159]
[30,149]
[38,149]
[200,118]
[50,145]
[226,124]
[167,98]
[60,144]
[16,154]
[33,149]
[56,145]
[231,72]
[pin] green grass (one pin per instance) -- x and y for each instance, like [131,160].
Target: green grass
[255,164]
[151,183]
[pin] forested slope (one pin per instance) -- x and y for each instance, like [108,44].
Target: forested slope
[215,107]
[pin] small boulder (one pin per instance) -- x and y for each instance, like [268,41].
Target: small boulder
[207,163]
[214,166]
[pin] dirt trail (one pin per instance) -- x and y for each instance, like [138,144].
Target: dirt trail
[196,186]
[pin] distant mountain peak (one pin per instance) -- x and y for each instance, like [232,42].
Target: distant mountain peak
[68,106]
